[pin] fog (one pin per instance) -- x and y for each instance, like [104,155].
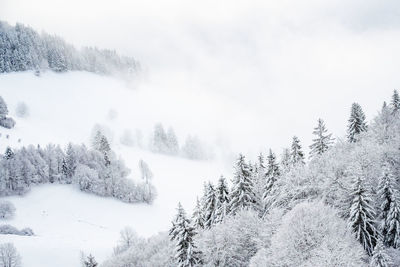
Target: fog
[253,73]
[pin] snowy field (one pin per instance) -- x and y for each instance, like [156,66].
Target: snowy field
[64,108]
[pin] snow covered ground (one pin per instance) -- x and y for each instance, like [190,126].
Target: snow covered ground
[64,108]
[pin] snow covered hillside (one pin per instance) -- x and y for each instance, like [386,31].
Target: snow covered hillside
[64,108]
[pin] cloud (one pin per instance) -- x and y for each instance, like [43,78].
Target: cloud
[279,64]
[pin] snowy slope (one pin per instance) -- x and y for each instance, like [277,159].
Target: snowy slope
[64,108]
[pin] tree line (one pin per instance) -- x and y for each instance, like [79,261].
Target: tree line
[22,49]
[96,170]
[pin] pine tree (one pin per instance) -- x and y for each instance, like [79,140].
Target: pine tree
[261,161]
[90,261]
[389,209]
[210,206]
[285,160]
[271,175]
[222,192]
[198,217]
[160,139]
[379,257]
[3,109]
[395,101]
[69,163]
[172,142]
[362,215]
[357,123]
[9,154]
[296,153]
[242,196]
[182,233]
[322,142]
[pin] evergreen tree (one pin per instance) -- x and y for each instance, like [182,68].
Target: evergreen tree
[90,261]
[182,233]
[296,153]
[197,217]
[160,139]
[3,109]
[104,146]
[172,142]
[272,174]
[389,209]
[357,123]
[9,154]
[395,101]
[69,163]
[222,200]
[242,196]
[261,166]
[379,257]
[286,160]
[210,206]
[362,215]
[261,161]
[322,142]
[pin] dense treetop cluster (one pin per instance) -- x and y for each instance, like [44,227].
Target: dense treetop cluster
[22,49]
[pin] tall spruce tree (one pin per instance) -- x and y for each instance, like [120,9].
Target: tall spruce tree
[271,174]
[286,161]
[69,163]
[389,219]
[296,153]
[261,161]
[362,215]
[222,200]
[356,123]
[182,233]
[395,101]
[242,196]
[323,140]
[210,206]
[197,216]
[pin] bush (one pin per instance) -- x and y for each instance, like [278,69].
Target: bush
[9,256]
[234,241]
[7,210]
[311,235]
[7,123]
[22,110]
[7,229]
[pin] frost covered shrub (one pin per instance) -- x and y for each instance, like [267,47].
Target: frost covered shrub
[22,110]
[7,123]
[156,251]
[7,229]
[9,256]
[311,234]
[7,210]
[128,238]
[234,241]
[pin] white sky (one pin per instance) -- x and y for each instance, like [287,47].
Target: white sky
[284,63]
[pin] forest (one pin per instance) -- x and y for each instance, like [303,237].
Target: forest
[339,207]
[22,49]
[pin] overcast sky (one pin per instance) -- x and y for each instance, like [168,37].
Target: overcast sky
[283,63]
